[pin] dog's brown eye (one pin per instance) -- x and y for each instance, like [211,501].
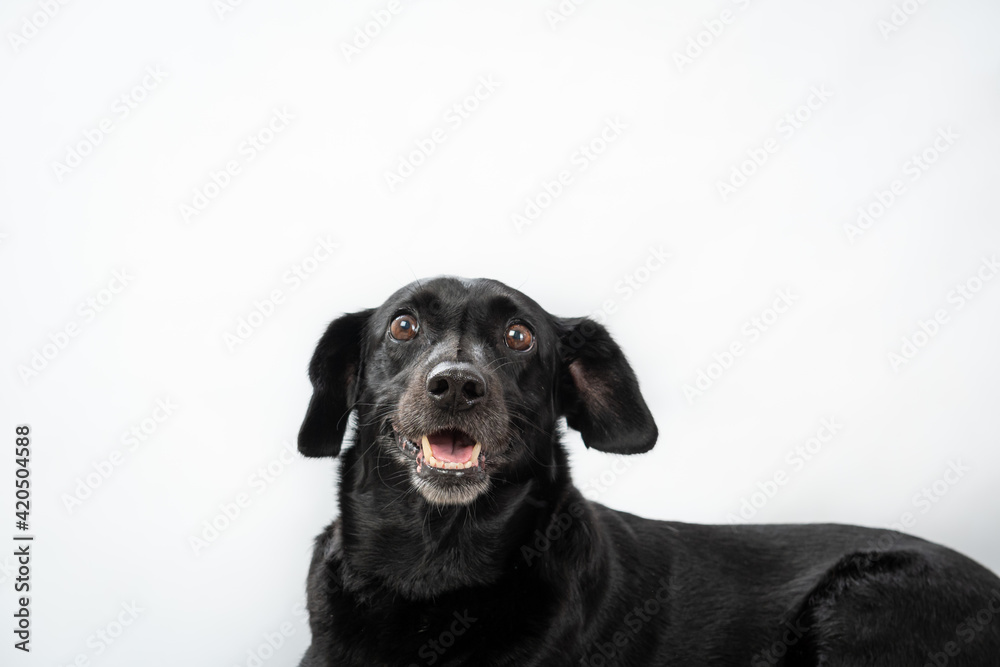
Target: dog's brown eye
[404,327]
[518,337]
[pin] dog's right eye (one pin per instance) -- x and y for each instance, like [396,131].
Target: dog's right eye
[404,327]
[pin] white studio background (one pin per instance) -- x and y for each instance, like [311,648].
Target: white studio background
[129,176]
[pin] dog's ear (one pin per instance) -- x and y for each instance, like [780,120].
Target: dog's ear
[335,372]
[598,392]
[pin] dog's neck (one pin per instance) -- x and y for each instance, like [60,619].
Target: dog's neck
[388,528]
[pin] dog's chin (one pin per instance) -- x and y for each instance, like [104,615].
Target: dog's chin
[447,467]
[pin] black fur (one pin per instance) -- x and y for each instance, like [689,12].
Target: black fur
[514,567]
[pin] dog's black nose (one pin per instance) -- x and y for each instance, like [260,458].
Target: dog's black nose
[455,385]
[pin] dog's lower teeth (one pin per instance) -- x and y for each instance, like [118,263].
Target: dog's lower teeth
[448,465]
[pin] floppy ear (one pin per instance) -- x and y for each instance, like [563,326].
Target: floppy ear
[598,392]
[335,372]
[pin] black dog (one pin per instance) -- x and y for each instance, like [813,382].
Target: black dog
[462,540]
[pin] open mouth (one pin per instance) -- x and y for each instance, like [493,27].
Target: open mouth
[451,451]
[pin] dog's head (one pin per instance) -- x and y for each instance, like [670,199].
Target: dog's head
[462,382]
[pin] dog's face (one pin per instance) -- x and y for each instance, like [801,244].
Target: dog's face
[460,383]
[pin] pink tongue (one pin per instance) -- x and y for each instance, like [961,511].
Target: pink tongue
[451,447]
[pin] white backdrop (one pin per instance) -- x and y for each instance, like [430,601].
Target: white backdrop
[192,190]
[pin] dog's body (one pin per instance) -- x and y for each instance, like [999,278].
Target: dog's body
[462,540]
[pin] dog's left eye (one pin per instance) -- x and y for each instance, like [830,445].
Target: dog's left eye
[404,327]
[518,337]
